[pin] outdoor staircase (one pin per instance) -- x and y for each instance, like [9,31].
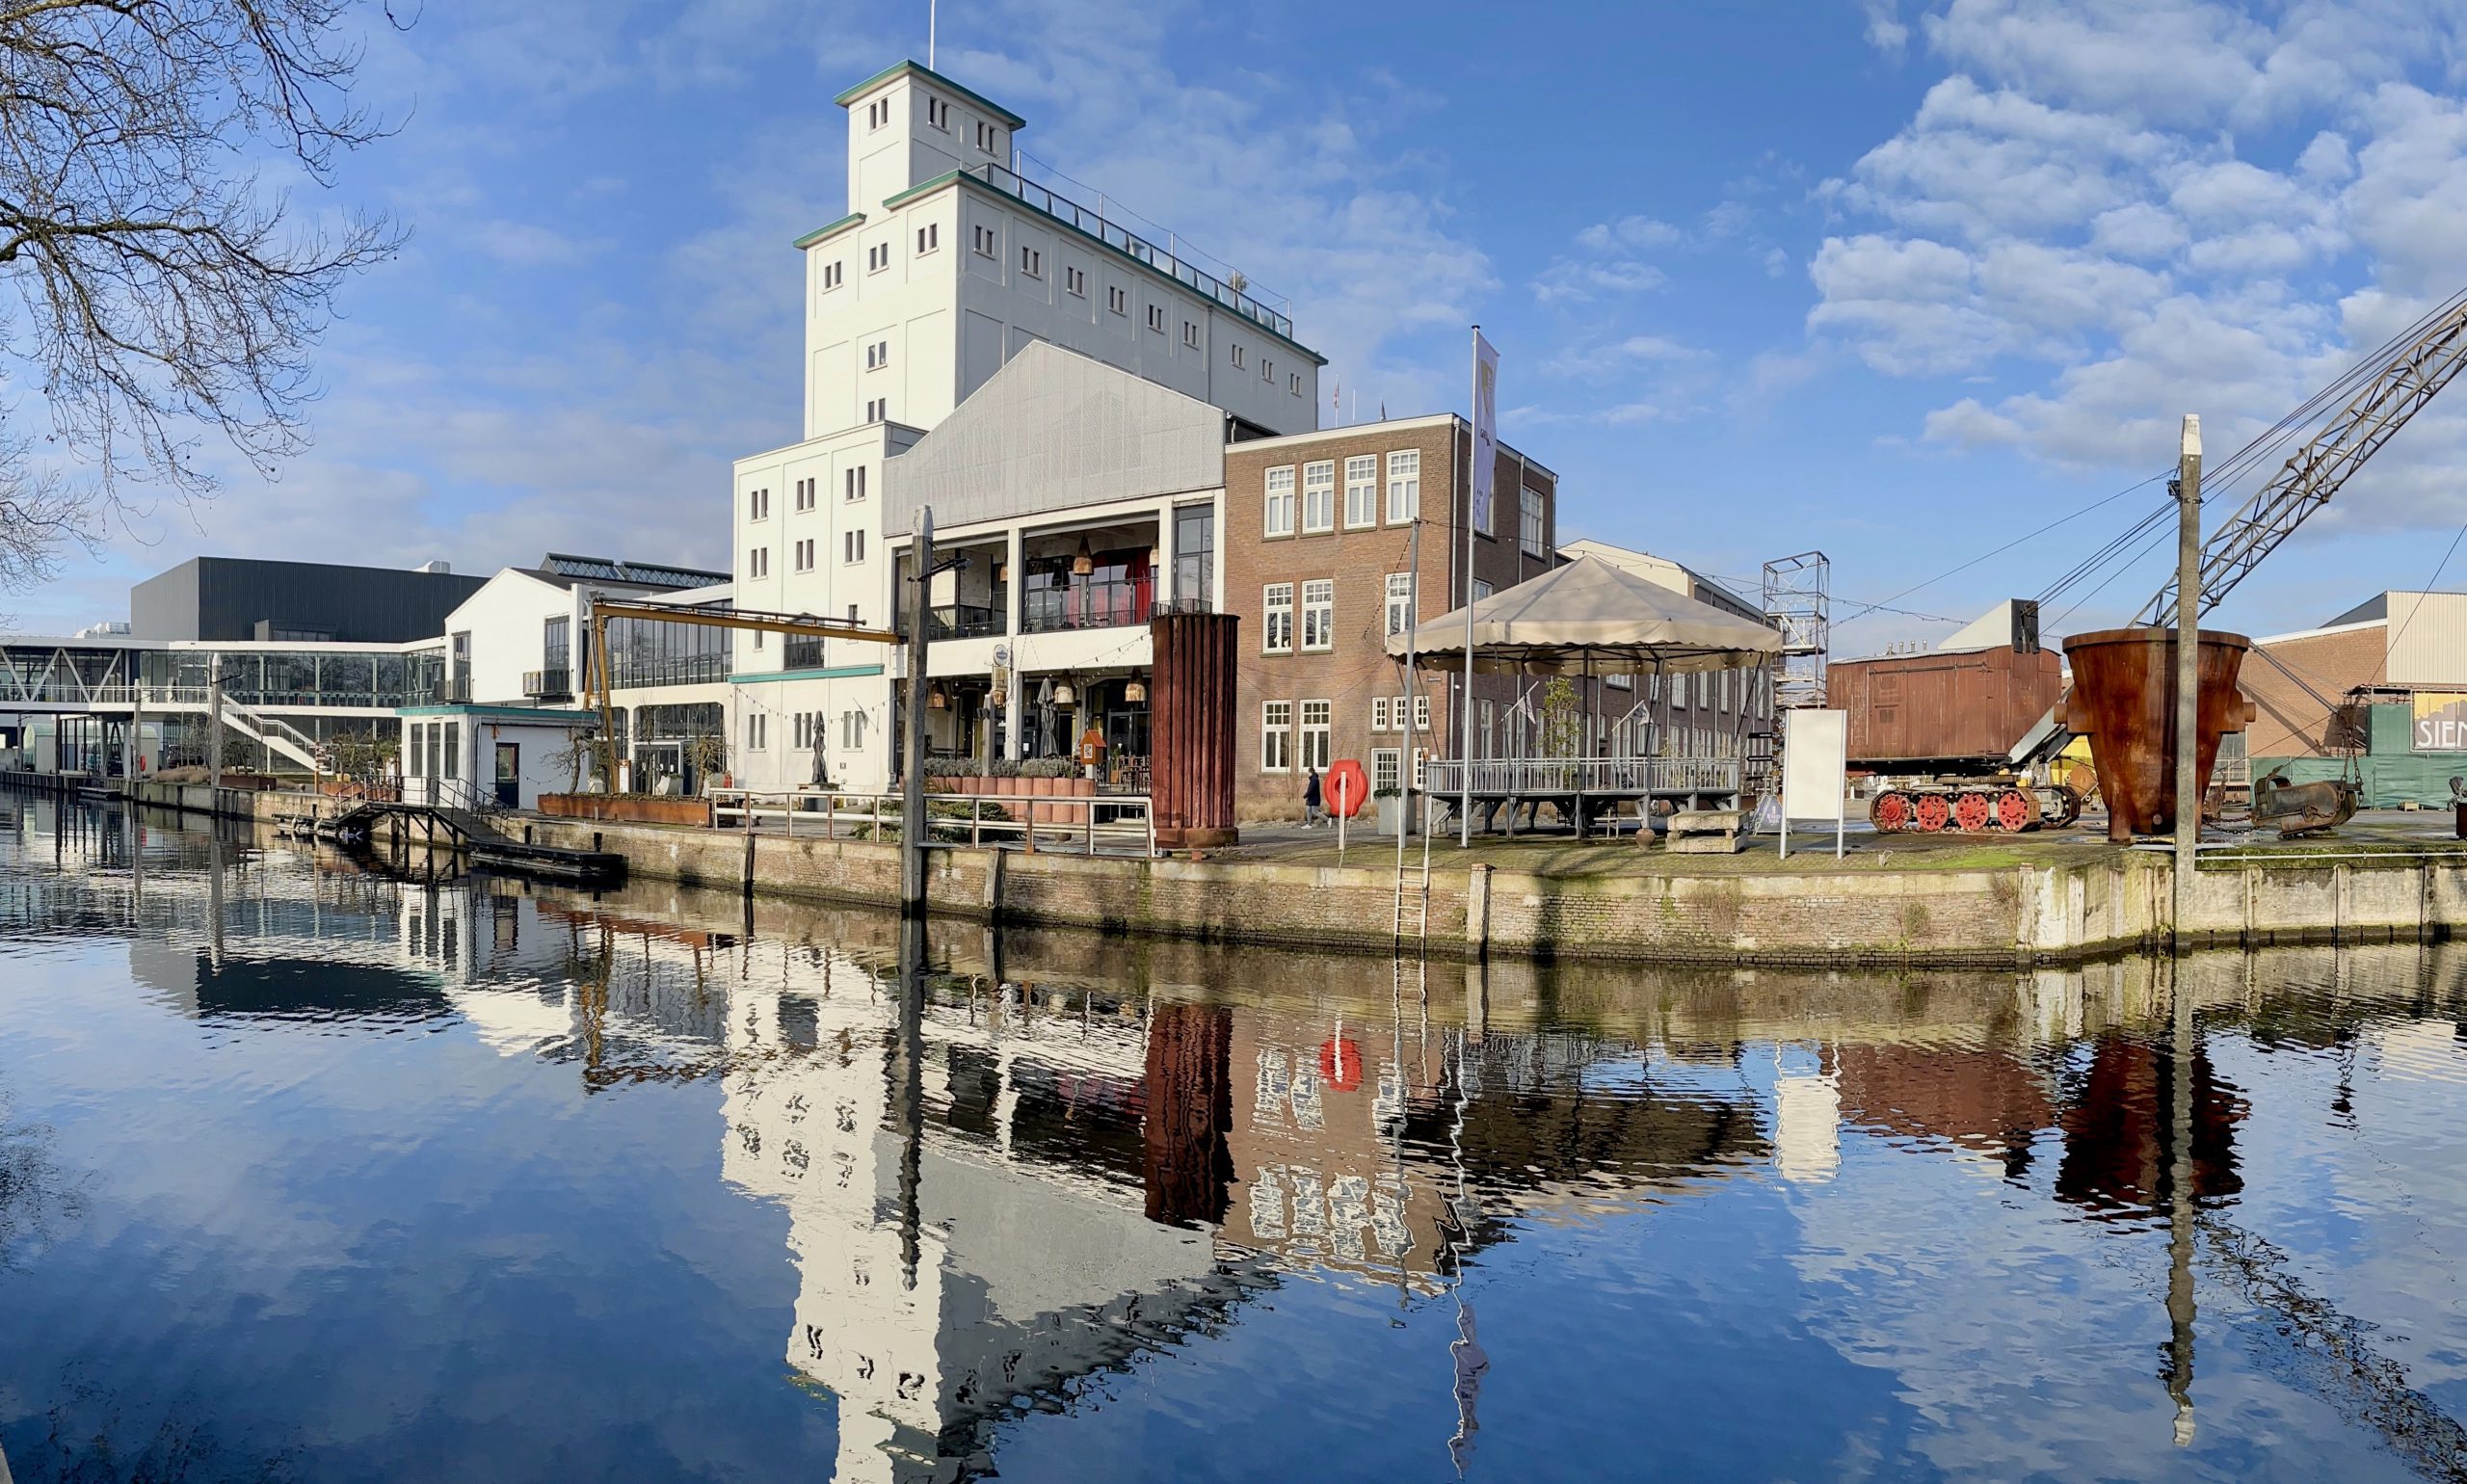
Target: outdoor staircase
[278,734]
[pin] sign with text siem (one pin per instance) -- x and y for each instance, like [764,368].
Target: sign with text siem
[2441,722]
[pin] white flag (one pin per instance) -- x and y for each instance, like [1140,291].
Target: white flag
[1486,427]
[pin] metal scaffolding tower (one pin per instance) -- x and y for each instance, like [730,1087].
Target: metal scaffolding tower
[1798,597]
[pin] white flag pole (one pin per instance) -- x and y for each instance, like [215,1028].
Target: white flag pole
[1477,491]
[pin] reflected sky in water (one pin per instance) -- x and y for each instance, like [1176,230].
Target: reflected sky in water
[311,1173]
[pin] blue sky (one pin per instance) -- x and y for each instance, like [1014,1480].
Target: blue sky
[1900,280]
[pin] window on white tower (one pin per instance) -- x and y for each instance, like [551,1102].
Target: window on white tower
[1032,262]
[1157,318]
[929,238]
[854,482]
[1118,299]
[852,548]
[1074,282]
[984,240]
[831,275]
[937,113]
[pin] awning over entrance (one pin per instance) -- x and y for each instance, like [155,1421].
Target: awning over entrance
[1592,618]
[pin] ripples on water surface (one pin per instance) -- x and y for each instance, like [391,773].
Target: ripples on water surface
[326,1175]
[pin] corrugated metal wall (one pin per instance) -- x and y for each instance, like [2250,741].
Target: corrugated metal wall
[2427,638]
[1055,430]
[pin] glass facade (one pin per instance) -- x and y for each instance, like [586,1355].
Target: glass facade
[650,652]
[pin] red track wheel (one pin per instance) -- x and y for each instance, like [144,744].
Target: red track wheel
[1931,812]
[1889,814]
[2016,811]
[1971,812]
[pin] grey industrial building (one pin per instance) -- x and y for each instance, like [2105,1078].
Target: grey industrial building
[235,600]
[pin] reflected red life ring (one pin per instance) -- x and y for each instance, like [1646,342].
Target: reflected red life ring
[1340,1062]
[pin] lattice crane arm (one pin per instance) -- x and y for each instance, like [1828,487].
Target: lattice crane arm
[2411,377]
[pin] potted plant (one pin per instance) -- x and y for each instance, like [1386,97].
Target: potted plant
[1391,804]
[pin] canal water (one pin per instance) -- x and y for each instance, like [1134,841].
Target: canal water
[310,1172]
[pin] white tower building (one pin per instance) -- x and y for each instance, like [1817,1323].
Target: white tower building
[947,264]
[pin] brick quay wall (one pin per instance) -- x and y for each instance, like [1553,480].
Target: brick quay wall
[2016,915]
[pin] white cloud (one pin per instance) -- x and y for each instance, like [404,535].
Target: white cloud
[524,245]
[2071,221]
[1610,357]
[1885,31]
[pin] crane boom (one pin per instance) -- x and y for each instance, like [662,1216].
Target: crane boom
[2397,388]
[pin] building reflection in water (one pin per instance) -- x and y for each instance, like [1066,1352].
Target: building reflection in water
[1013,1176]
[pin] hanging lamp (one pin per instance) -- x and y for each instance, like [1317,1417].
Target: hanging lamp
[1085,561]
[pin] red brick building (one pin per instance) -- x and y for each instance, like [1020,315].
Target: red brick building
[1322,561]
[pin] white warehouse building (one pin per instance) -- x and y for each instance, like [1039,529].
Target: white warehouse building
[947,265]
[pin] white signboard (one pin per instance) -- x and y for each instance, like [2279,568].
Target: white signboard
[1816,752]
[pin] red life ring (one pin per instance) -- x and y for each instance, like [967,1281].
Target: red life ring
[1344,788]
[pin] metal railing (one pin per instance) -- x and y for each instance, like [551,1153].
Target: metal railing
[1122,822]
[1084,605]
[1631,777]
[195,697]
[959,620]
[1062,209]
[447,793]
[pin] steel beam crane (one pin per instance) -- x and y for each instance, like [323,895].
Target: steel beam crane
[2395,386]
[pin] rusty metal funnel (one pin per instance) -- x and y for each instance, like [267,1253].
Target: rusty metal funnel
[2124,700]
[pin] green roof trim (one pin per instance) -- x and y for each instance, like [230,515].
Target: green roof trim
[851,219]
[947,176]
[939,80]
[826,673]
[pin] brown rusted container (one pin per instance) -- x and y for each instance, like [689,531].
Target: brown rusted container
[2124,700]
[1942,709]
[1190,727]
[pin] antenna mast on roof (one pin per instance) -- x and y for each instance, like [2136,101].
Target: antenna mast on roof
[930,6]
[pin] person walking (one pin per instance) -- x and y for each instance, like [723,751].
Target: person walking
[1313,815]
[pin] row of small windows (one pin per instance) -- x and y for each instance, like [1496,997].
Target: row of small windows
[810,729]
[1319,613]
[986,242]
[1316,734]
[757,502]
[937,114]
[757,559]
[1315,511]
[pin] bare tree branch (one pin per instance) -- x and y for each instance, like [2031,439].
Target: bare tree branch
[166,291]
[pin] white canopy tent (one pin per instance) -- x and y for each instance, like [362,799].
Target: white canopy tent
[1589,618]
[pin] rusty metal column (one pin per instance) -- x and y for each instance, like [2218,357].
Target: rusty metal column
[2187,672]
